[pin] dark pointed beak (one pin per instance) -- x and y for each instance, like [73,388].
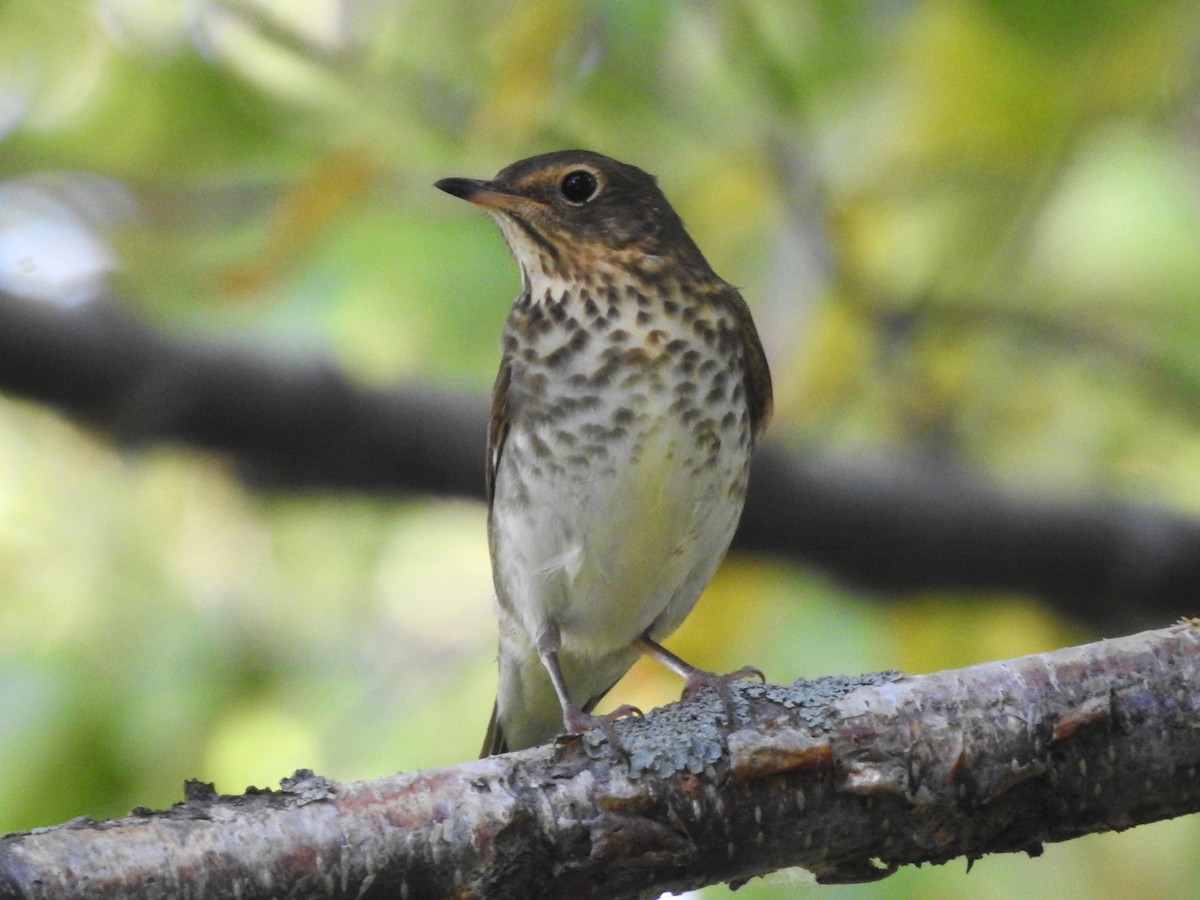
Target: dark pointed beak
[485,194]
[466,188]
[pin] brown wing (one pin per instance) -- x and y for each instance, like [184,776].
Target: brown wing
[497,428]
[759,396]
[495,742]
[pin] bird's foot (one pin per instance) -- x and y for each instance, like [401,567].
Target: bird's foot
[698,680]
[578,722]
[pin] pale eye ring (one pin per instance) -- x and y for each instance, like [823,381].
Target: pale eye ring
[579,186]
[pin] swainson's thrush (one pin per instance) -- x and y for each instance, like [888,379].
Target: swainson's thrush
[631,391]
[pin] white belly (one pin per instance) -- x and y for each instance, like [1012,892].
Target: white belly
[607,556]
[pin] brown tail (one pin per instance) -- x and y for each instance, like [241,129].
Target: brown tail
[494,741]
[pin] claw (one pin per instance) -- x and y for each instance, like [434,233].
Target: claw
[577,721]
[698,679]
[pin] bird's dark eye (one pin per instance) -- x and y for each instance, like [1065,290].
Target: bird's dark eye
[579,186]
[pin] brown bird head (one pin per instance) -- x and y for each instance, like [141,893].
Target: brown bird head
[574,214]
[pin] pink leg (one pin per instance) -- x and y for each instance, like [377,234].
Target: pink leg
[697,679]
[693,679]
[575,719]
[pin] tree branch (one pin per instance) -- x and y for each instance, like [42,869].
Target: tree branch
[848,777]
[892,525]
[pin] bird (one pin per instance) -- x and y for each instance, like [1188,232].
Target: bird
[631,391]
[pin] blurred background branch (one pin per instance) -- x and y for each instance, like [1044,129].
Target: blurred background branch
[891,525]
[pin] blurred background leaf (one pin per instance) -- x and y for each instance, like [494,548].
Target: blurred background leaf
[968,229]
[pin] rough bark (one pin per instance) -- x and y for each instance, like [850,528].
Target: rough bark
[890,525]
[849,777]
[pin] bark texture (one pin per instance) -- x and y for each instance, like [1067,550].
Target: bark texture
[850,777]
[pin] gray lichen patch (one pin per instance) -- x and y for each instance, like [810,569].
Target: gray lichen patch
[691,736]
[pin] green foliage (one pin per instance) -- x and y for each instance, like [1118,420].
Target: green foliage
[966,228]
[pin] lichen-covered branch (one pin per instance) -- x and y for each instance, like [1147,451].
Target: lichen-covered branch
[888,524]
[850,777]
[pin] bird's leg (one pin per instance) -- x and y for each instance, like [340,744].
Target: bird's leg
[695,679]
[574,718]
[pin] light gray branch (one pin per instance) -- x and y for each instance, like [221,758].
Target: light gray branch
[849,777]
